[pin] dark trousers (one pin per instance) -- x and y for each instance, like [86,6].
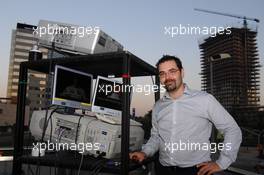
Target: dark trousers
[173,170]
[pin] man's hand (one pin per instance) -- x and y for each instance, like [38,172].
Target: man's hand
[208,168]
[137,156]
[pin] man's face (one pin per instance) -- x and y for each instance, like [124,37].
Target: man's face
[170,75]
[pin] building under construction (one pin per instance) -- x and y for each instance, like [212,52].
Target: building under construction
[230,70]
[235,78]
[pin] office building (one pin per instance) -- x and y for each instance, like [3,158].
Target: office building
[21,42]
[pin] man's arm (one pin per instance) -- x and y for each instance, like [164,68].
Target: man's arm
[152,146]
[225,123]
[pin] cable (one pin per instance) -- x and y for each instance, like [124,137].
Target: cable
[50,128]
[77,129]
[99,166]
[58,140]
[80,165]
[96,166]
[42,137]
[76,136]
[79,169]
[46,123]
[99,169]
[29,169]
[38,168]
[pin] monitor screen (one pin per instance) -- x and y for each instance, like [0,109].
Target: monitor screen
[107,97]
[72,88]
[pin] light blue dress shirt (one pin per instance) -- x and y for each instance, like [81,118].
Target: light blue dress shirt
[181,130]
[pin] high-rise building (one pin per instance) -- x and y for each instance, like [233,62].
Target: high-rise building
[230,70]
[21,43]
[233,80]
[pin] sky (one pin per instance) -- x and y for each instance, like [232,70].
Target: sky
[139,25]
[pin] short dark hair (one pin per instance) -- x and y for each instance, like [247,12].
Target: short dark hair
[170,58]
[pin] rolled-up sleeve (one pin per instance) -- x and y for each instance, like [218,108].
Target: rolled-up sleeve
[225,123]
[152,146]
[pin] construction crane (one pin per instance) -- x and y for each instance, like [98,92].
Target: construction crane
[230,15]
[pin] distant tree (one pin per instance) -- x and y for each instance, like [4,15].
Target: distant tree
[146,123]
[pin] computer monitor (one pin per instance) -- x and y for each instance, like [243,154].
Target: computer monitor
[72,88]
[107,98]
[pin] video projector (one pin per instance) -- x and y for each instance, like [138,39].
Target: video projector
[91,130]
[75,39]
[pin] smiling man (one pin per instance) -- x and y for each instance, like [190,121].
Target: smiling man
[182,124]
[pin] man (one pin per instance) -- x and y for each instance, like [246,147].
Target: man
[181,127]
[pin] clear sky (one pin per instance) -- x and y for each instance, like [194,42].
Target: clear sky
[137,24]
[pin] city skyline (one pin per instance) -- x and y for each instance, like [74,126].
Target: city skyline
[140,27]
